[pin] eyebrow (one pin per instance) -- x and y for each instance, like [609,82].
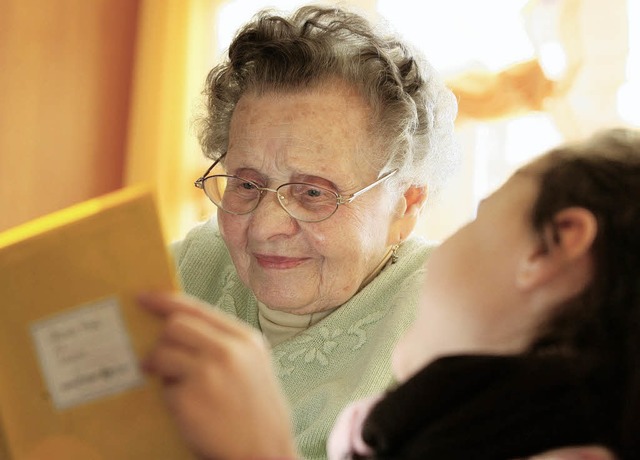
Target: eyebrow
[295,177]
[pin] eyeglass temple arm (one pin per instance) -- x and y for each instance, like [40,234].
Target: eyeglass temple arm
[350,198]
[199,182]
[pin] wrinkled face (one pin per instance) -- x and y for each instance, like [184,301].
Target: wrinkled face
[319,137]
[470,301]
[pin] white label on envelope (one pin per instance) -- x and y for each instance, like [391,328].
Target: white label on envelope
[85,353]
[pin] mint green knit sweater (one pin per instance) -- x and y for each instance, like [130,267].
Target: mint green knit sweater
[344,357]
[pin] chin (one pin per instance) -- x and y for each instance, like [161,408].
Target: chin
[284,303]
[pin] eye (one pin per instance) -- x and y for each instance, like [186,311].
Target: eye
[241,188]
[252,177]
[313,192]
[248,185]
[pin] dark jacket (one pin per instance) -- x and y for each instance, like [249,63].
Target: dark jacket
[490,407]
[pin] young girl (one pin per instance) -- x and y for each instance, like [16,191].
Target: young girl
[529,321]
[527,338]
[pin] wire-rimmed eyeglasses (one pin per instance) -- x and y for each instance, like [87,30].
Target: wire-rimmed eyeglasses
[302,201]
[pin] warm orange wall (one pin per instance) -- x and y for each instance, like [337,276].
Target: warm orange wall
[65,78]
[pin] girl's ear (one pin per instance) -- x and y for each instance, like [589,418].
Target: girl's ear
[409,209]
[563,251]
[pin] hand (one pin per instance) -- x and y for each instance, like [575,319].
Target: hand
[576,453]
[218,381]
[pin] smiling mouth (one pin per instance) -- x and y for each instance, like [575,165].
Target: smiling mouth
[278,262]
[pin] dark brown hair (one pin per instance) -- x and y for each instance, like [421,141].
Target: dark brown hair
[602,324]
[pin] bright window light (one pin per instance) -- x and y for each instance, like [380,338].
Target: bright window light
[456,34]
[233,14]
[553,60]
[629,93]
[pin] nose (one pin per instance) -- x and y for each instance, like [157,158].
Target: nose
[270,218]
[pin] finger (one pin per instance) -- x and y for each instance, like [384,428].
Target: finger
[165,304]
[193,333]
[170,363]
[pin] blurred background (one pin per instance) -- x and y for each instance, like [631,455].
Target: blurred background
[96,95]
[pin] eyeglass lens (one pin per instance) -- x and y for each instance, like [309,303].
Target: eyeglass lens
[302,201]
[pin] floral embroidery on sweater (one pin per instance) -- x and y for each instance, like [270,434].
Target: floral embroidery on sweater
[318,344]
[312,347]
[358,330]
[318,351]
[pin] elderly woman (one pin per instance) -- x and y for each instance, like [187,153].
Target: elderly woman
[325,136]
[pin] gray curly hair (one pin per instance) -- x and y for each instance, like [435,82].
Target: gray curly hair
[413,111]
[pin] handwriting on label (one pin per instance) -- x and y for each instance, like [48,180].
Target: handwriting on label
[85,353]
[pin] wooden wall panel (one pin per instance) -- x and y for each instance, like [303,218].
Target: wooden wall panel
[65,79]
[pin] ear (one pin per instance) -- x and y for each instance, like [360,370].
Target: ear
[563,251]
[408,210]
